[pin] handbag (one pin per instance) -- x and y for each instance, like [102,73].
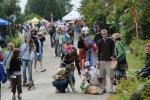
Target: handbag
[122,60]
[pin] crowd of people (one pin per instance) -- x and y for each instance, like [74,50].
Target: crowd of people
[110,50]
[111,61]
[18,62]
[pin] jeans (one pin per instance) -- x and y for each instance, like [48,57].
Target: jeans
[72,40]
[26,64]
[61,85]
[57,48]
[89,55]
[52,38]
[62,48]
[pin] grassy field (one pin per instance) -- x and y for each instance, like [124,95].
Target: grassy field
[134,62]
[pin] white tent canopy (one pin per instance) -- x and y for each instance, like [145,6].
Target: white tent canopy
[73,15]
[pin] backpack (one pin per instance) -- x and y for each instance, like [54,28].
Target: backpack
[3,76]
[88,43]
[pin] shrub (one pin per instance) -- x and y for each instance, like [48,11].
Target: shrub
[137,47]
[16,40]
[127,87]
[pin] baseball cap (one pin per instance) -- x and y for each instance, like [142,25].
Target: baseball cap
[87,64]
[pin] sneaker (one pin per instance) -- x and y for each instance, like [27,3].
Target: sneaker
[67,89]
[19,97]
[13,97]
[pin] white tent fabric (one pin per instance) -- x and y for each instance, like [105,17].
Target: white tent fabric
[73,15]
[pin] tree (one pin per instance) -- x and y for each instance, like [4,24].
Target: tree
[119,16]
[44,8]
[10,9]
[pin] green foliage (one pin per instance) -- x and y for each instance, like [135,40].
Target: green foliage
[137,47]
[146,93]
[144,19]
[44,8]
[129,86]
[134,63]
[117,16]
[16,40]
[9,8]
[11,11]
[91,9]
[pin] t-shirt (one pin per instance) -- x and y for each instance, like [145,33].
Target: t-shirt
[25,52]
[105,49]
[85,30]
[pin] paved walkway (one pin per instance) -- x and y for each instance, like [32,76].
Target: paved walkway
[43,87]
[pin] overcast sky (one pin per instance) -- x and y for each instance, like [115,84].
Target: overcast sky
[76,4]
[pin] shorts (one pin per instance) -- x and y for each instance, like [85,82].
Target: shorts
[38,56]
[105,70]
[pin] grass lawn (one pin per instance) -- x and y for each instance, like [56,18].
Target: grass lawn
[134,62]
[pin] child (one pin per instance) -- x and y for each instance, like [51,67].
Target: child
[89,84]
[15,74]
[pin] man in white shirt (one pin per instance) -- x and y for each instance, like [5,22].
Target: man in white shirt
[85,29]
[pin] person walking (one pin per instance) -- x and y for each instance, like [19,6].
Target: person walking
[26,49]
[15,74]
[105,53]
[39,51]
[90,49]
[7,58]
[85,29]
[82,54]
[52,35]
[57,45]
[120,57]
